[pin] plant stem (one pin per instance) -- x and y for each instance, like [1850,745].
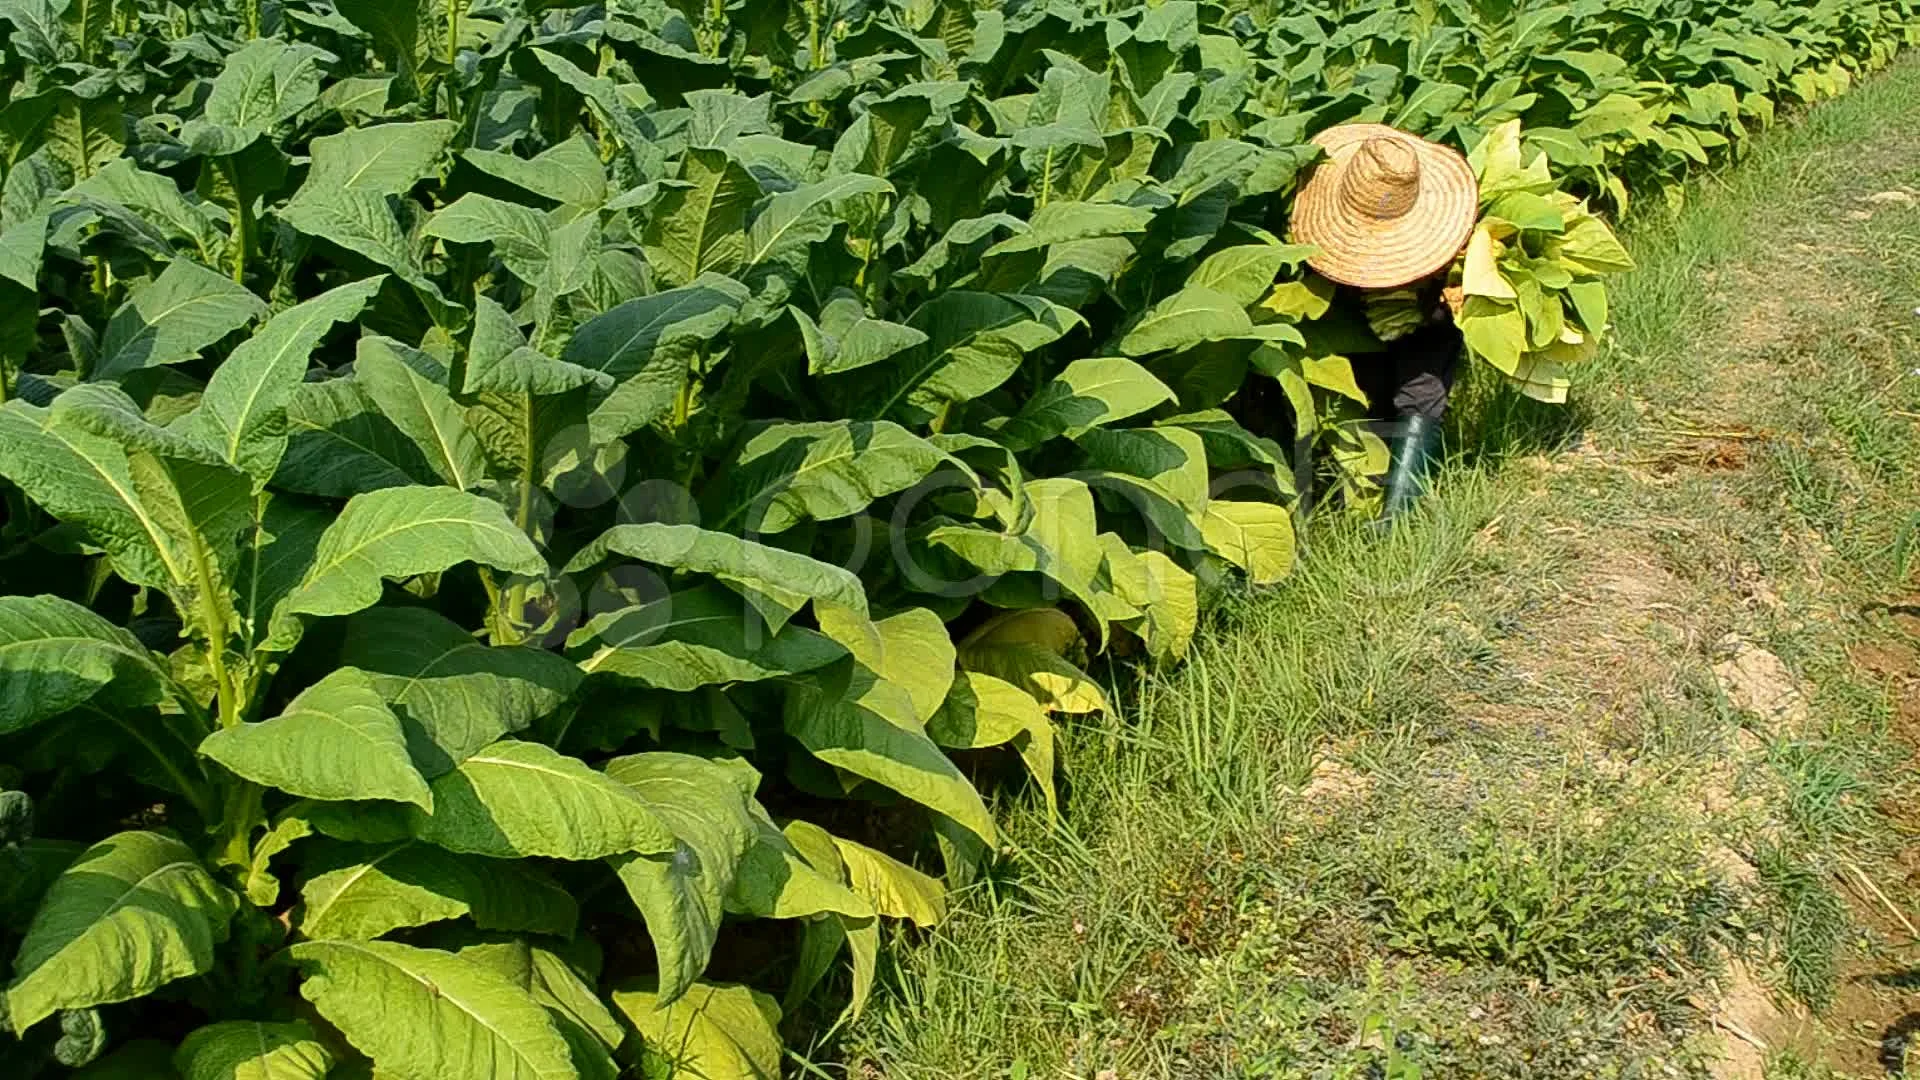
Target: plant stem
[453,31]
[253,18]
[716,24]
[814,17]
[242,221]
[242,806]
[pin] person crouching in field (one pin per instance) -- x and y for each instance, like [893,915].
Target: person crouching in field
[1390,212]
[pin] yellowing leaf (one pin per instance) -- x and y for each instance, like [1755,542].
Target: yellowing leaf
[1480,276]
[1255,536]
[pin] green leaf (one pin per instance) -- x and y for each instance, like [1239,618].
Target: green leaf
[359,892]
[715,1031]
[252,1050]
[975,341]
[693,638]
[134,912]
[846,338]
[87,134]
[1062,222]
[983,711]
[910,650]
[171,319]
[575,1005]
[242,413]
[1088,393]
[361,222]
[410,389]
[1187,318]
[785,230]
[260,885]
[1244,273]
[1255,536]
[56,655]
[787,581]
[699,223]
[399,532]
[379,159]
[84,479]
[520,235]
[336,740]
[646,346]
[425,1013]
[831,720]
[681,892]
[339,444]
[788,473]
[22,248]
[775,882]
[569,172]
[516,799]
[500,362]
[453,694]
[895,889]
[264,83]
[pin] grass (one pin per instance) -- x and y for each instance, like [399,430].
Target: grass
[1575,763]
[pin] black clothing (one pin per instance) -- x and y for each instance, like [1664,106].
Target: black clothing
[1415,373]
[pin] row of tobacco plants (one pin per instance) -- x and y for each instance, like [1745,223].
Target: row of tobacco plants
[512,507]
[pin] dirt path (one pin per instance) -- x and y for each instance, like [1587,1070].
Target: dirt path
[1603,768]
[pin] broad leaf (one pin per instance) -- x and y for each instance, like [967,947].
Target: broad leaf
[453,694]
[1088,393]
[252,1050]
[380,159]
[784,232]
[56,655]
[788,473]
[398,532]
[681,892]
[830,719]
[336,740]
[714,1030]
[786,581]
[410,389]
[1255,536]
[699,223]
[133,913]
[516,799]
[982,711]
[425,1013]
[184,310]
[1188,317]
[895,889]
[265,83]
[693,638]
[569,172]
[775,882]
[340,444]
[242,413]
[364,892]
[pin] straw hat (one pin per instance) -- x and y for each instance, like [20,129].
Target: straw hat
[1386,208]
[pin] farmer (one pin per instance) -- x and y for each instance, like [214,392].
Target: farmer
[1389,212]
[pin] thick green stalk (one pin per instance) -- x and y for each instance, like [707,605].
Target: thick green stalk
[453,31]
[242,221]
[815,15]
[716,25]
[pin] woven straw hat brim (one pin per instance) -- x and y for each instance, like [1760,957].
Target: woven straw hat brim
[1371,253]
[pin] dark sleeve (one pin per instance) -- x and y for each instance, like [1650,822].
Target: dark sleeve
[1424,363]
